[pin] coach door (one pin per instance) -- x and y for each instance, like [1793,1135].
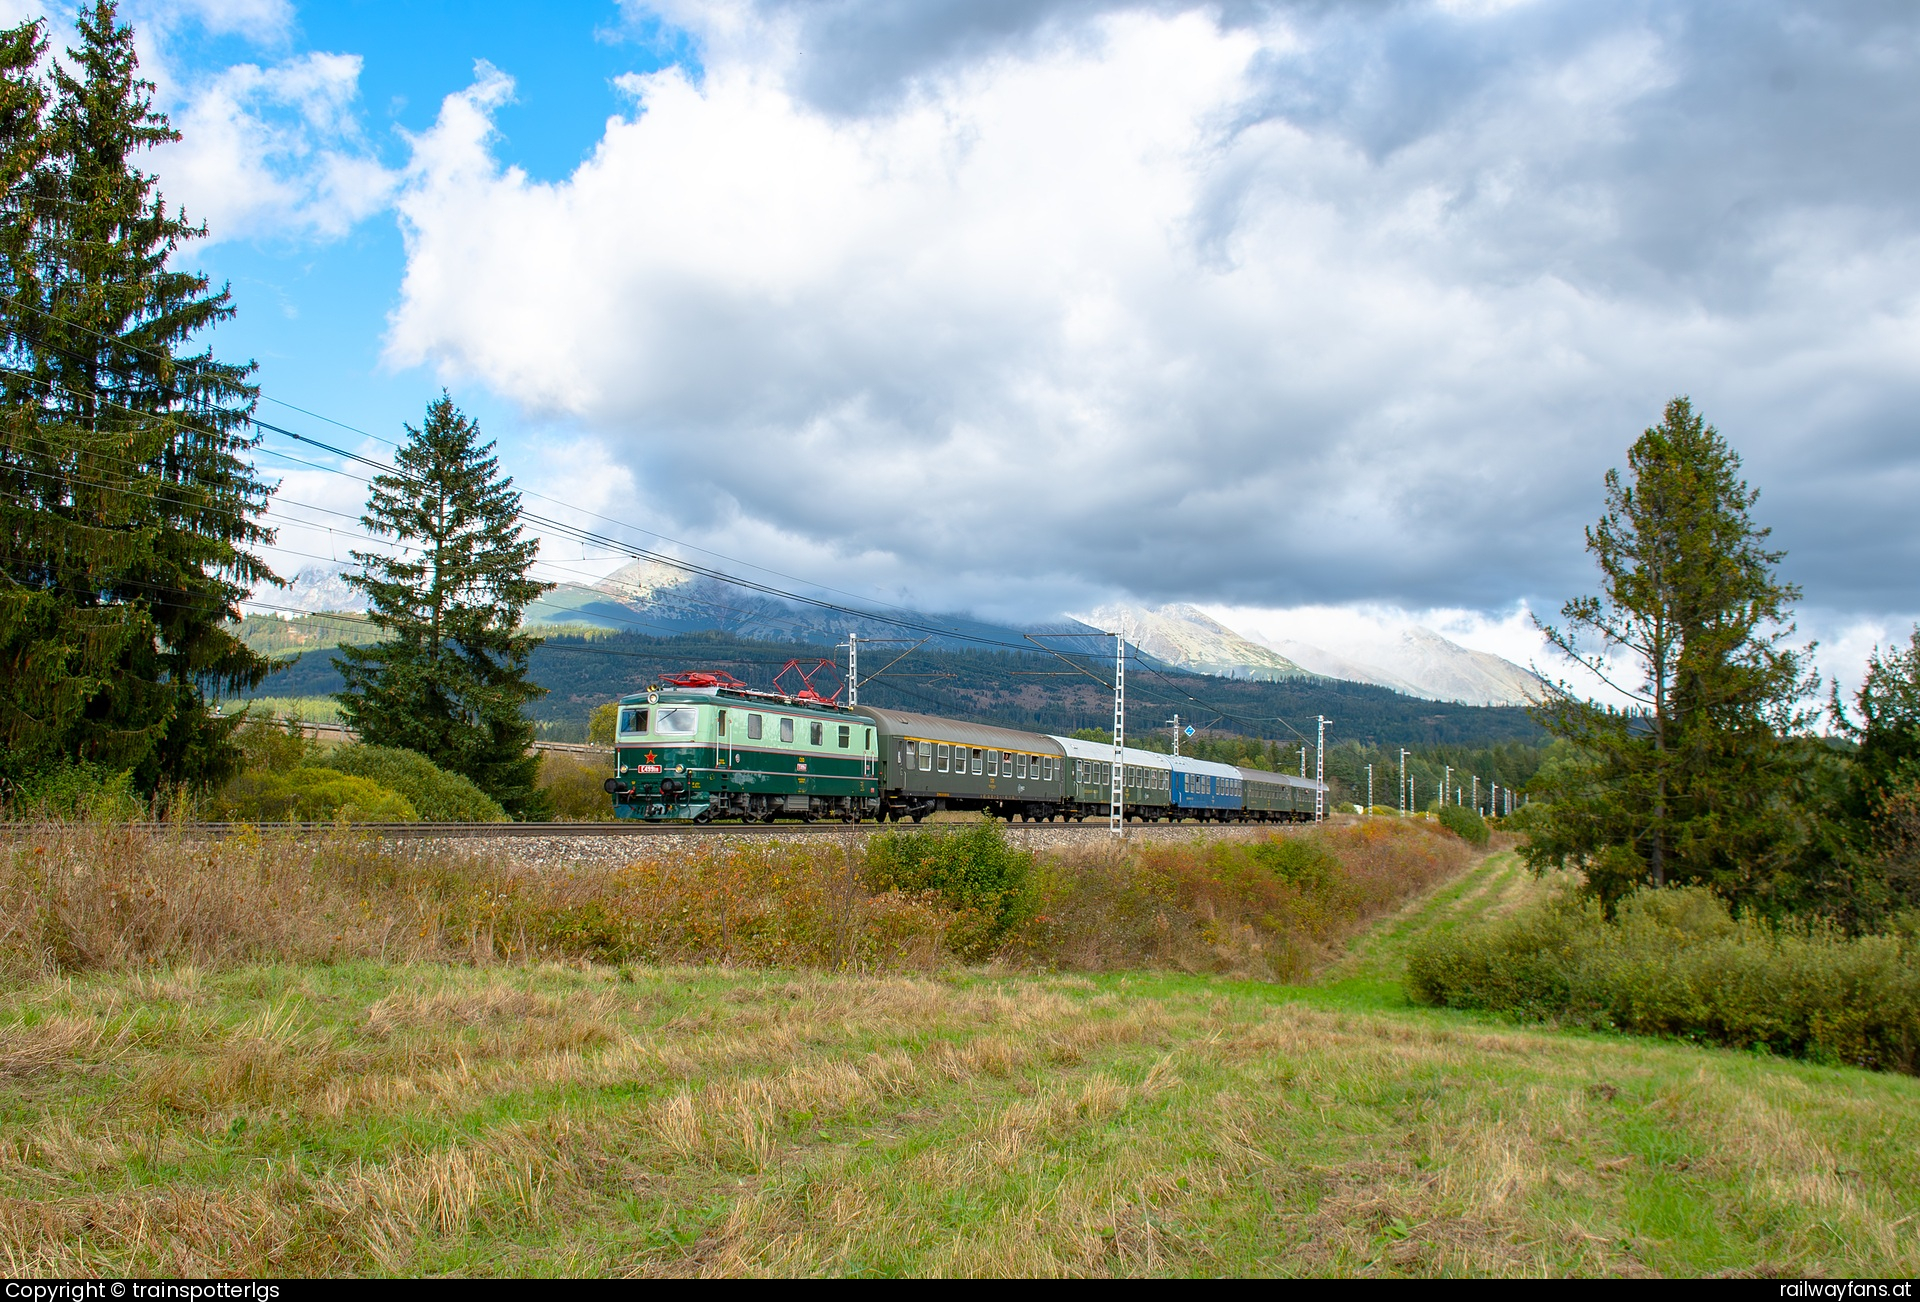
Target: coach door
[867,755]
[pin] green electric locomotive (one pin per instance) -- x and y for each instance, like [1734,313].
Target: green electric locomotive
[704,746]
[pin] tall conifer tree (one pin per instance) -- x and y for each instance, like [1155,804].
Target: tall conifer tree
[450,680]
[1692,784]
[127,504]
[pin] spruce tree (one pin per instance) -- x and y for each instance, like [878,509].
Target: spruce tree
[450,679]
[127,501]
[1694,782]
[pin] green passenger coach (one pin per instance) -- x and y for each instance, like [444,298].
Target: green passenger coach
[702,746]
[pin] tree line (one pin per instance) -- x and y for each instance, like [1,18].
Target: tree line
[131,511]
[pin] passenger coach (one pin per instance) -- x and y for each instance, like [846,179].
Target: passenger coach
[933,763]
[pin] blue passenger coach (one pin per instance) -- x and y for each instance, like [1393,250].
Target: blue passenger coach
[1204,789]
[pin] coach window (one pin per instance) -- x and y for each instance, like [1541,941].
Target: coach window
[815,731]
[1019,764]
[993,763]
[786,730]
[633,720]
[926,756]
[941,751]
[846,736]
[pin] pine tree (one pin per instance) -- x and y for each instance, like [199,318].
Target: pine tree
[1867,869]
[127,501]
[450,680]
[1693,783]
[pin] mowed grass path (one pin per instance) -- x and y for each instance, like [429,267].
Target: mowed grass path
[369,1118]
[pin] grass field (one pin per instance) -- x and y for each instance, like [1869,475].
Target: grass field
[440,1117]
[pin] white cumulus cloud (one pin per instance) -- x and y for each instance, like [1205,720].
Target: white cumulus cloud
[275,151]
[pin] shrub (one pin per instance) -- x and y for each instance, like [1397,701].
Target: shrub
[1676,962]
[78,790]
[268,745]
[435,794]
[577,786]
[985,881]
[600,724]
[309,795]
[1465,824]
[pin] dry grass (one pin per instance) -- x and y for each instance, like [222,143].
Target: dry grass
[423,1119]
[1231,906]
[388,1096]
[85,897]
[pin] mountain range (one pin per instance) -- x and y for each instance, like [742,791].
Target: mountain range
[655,599]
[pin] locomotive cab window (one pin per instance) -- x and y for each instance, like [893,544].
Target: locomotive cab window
[846,735]
[680,721]
[869,742]
[786,730]
[720,724]
[754,724]
[815,731]
[633,720]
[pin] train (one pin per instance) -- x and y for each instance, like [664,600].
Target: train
[700,747]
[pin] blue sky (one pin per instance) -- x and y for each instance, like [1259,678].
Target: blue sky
[1326,318]
[313,311]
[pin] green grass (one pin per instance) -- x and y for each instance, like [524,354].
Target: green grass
[435,1118]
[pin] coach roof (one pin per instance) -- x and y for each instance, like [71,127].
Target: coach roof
[898,723]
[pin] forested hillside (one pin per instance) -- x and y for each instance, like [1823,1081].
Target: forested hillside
[1024,691]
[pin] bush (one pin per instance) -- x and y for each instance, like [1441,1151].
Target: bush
[81,791]
[312,795]
[986,882]
[267,745]
[1676,962]
[435,794]
[600,724]
[1465,824]
[577,787]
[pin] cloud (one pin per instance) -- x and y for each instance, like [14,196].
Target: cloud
[275,152]
[263,22]
[1020,307]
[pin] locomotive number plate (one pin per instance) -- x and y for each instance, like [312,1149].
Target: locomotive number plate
[646,768]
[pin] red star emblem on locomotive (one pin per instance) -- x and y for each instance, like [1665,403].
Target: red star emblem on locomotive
[651,759]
